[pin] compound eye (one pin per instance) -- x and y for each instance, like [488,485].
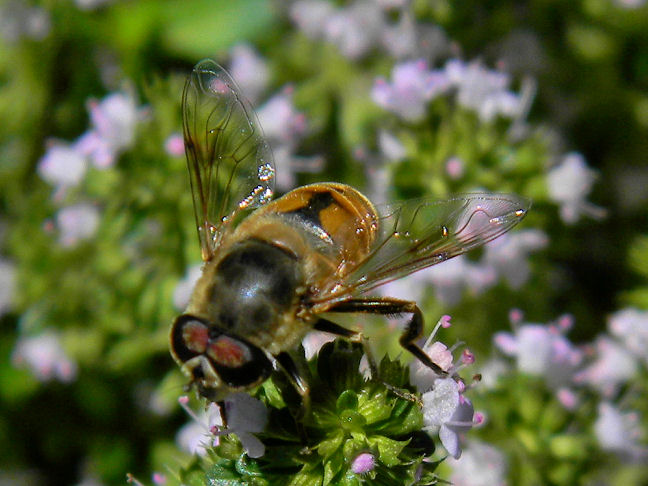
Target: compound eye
[229,352]
[189,337]
[238,363]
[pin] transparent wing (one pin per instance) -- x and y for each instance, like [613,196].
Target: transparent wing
[230,163]
[421,233]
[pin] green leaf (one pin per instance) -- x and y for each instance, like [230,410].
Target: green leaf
[389,449]
[329,445]
[348,400]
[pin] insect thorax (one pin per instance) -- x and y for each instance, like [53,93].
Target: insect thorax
[251,292]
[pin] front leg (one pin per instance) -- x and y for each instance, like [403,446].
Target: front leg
[394,307]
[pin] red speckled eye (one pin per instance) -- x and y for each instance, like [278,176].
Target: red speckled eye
[229,352]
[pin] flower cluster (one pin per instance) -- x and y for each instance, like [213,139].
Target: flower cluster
[364,427]
[362,26]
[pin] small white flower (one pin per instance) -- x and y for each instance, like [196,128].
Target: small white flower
[482,90]
[197,436]
[62,166]
[77,223]
[508,254]
[43,354]
[19,20]
[630,4]
[569,183]
[445,409]
[113,128]
[355,29]
[613,367]
[619,432]
[249,70]
[90,4]
[311,16]
[401,39]
[390,147]
[631,327]
[412,86]
[184,288]
[542,351]
[280,119]
[421,376]
[480,465]
[246,416]
[313,342]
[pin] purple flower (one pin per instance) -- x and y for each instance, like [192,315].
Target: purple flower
[43,354]
[363,463]
[412,86]
[449,412]
[569,183]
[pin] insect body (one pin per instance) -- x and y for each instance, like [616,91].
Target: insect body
[273,267]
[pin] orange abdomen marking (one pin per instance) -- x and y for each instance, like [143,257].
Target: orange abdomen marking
[339,212]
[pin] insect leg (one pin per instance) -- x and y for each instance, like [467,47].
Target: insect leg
[325,325]
[395,307]
[288,365]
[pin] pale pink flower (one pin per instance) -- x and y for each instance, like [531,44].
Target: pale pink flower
[174,145]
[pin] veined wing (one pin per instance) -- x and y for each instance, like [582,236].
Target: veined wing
[420,233]
[230,163]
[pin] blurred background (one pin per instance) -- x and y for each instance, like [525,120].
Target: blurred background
[544,98]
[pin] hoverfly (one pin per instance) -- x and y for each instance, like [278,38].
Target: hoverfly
[272,267]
